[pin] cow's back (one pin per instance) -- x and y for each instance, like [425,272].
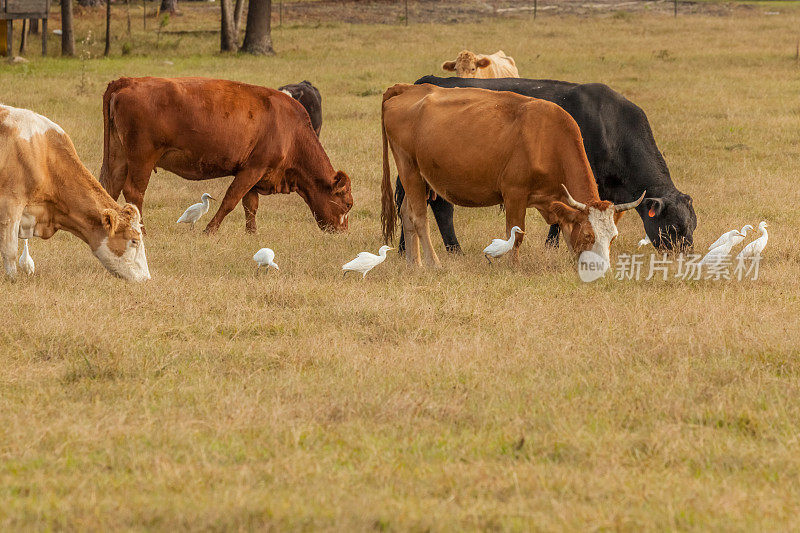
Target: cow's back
[445,132]
[30,144]
[204,127]
[617,136]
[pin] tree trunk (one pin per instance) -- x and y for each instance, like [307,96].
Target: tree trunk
[169,6]
[67,36]
[228,37]
[237,20]
[257,35]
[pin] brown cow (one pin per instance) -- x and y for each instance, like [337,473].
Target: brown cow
[201,129]
[44,187]
[479,148]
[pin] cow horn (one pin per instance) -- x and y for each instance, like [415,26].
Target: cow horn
[571,201]
[630,205]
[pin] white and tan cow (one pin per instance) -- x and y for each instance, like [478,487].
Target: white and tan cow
[472,65]
[44,187]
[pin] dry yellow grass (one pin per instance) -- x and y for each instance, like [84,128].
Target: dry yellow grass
[465,398]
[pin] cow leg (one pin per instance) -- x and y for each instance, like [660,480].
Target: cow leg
[9,238]
[114,172]
[552,236]
[443,213]
[417,201]
[399,194]
[250,205]
[516,206]
[137,180]
[241,185]
[410,234]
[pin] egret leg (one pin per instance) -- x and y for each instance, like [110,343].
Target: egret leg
[344,273]
[487,258]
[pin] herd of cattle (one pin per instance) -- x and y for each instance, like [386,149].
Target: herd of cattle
[581,154]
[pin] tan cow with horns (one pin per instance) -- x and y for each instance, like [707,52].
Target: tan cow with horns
[479,148]
[44,187]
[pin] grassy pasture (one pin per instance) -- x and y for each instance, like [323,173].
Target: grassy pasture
[470,397]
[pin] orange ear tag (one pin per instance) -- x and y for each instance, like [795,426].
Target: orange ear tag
[652,212]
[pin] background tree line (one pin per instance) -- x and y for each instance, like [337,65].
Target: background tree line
[257,35]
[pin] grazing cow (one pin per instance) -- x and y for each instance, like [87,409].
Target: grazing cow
[536,159]
[621,150]
[202,129]
[471,65]
[44,187]
[309,96]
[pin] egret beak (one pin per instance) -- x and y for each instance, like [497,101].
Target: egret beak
[212,198]
[521,232]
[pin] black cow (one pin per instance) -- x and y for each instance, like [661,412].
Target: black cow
[621,150]
[309,96]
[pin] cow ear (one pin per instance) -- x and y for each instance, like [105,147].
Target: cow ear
[565,212]
[132,212]
[483,62]
[341,182]
[110,221]
[654,206]
[449,65]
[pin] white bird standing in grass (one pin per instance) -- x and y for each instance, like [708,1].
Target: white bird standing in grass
[755,248]
[265,257]
[716,255]
[193,214]
[501,247]
[365,261]
[25,260]
[735,235]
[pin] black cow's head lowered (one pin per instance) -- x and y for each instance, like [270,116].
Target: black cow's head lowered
[669,221]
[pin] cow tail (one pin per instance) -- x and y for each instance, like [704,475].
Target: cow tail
[104,171]
[388,212]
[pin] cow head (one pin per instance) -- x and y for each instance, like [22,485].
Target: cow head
[590,226]
[120,247]
[330,202]
[466,64]
[669,221]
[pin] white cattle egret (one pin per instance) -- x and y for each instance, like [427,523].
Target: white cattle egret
[755,248]
[264,257]
[501,247]
[736,239]
[365,261]
[728,235]
[716,255]
[193,214]
[644,242]
[25,260]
